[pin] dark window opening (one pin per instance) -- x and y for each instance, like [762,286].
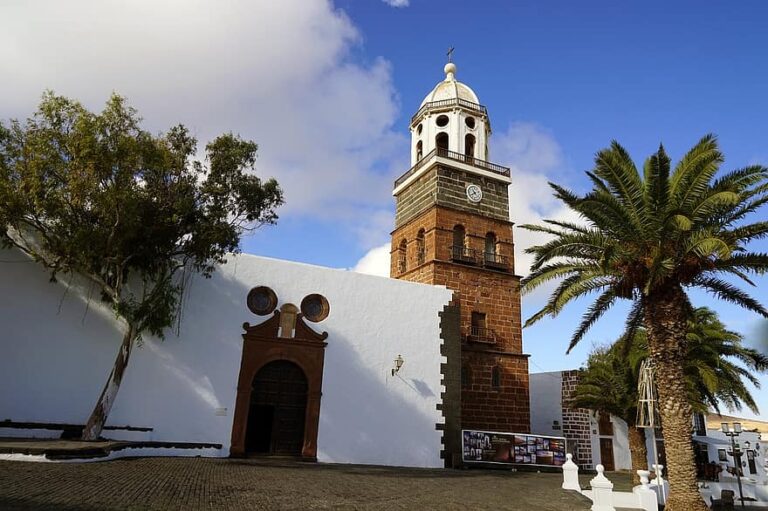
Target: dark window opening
[419,151]
[442,121]
[491,254]
[458,236]
[469,146]
[478,319]
[401,256]
[459,250]
[470,122]
[441,141]
[496,377]
[490,243]
[478,330]
[699,424]
[420,255]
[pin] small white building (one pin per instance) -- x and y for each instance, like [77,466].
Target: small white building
[591,438]
[309,373]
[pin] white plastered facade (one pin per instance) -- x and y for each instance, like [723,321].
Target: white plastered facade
[58,351]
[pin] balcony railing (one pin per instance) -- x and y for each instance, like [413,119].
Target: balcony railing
[452,155]
[494,260]
[462,254]
[481,334]
[448,103]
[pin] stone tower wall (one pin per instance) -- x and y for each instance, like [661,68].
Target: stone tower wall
[576,423]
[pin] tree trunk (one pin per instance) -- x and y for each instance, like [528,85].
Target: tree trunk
[666,313]
[98,417]
[638,451]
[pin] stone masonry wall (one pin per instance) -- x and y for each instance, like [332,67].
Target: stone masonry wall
[444,186]
[452,192]
[495,293]
[576,423]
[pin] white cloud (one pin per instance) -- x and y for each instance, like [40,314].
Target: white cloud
[534,156]
[279,73]
[397,3]
[375,262]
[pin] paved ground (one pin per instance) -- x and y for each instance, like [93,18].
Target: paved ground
[621,480]
[207,483]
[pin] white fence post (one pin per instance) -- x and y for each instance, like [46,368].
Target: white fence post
[660,485]
[646,497]
[602,492]
[571,474]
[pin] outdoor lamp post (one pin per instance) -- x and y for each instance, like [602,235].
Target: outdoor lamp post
[735,452]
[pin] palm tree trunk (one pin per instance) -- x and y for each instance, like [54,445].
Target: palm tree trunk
[666,313]
[98,417]
[638,451]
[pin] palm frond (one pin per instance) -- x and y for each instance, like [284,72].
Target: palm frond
[730,293]
[595,311]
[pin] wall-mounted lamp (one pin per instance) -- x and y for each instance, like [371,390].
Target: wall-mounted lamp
[398,364]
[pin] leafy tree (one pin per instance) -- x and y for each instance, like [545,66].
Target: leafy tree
[716,365]
[647,238]
[133,213]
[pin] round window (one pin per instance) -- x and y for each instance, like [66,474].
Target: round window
[470,122]
[442,120]
[315,307]
[419,128]
[261,300]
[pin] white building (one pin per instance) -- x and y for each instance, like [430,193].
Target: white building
[337,399]
[592,438]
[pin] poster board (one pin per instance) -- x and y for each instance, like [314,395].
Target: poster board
[512,448]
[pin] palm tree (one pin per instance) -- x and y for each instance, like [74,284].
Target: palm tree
[648,238]
[608,383]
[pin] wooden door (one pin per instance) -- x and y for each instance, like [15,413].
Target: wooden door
[278,410]
[606,454]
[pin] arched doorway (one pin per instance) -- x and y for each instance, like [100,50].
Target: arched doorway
[277,411]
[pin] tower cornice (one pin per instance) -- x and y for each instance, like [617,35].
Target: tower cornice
[459,161]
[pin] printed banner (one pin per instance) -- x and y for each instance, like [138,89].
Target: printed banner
[512,448]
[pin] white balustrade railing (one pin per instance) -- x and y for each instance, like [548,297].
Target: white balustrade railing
[643,496]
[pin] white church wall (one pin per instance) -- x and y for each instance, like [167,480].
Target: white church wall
[545,391]
[56,357]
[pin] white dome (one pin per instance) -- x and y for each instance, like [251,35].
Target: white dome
[450,88]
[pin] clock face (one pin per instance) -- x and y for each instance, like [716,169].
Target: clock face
[474,193]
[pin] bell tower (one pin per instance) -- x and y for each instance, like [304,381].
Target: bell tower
[452,228]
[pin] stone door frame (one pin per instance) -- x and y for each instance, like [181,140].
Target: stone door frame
[262,345]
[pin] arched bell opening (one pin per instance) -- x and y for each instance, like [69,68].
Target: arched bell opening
[469,146]
[441,142]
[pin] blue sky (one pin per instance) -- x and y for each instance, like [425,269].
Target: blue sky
[585,73]
[327,89]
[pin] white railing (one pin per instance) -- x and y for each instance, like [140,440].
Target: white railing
[643,496]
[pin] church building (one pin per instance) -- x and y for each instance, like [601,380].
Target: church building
[452,228]
[274,357]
